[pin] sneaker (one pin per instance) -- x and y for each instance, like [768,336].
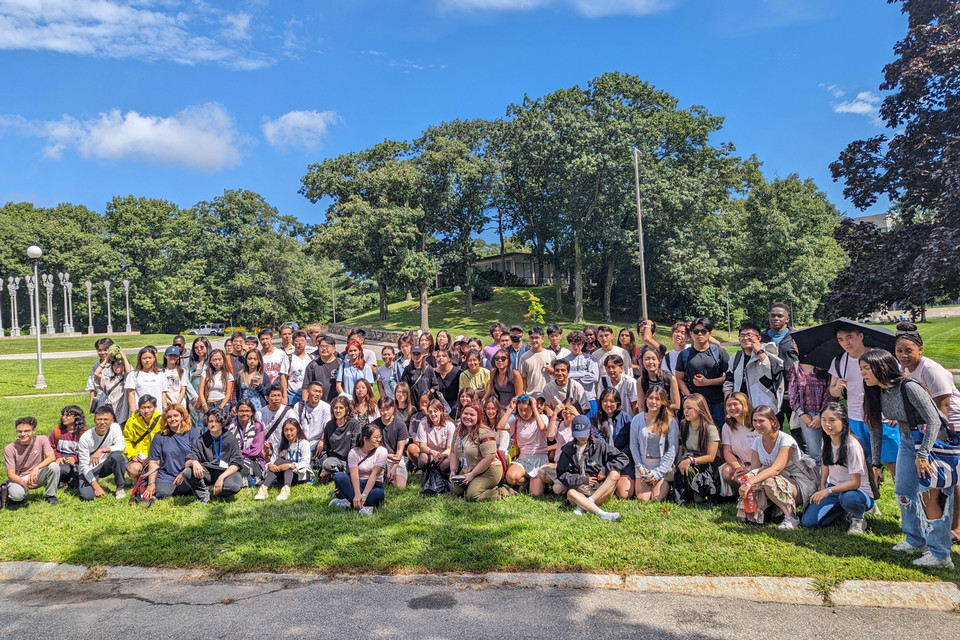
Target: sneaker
[874,510]
[262,493]
[930,560]
[609,516]
[366,511]
[343,503]
[578,511]
[789,524]
[909,548]
[284,494]
[858,527]
[120,494]
[52,501]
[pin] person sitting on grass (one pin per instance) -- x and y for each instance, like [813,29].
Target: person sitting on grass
[531,432]
[394,436]
[781,474]
[64,439]
[590,469]
[654,437]
[339,434]
[100,453]
[249,433]
[613,426]
[433,439]
[138,432]
[476,470]
[844,483]
[362,488]
[31,463]
[214,462]
[562,424]
[736,442]
[290,462]
[168,455]
[696,476]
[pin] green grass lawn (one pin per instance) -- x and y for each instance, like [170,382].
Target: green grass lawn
[80,343]
[941,340]
[63,375]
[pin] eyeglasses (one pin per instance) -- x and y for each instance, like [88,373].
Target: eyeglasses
[500,359]
[24,433]
[748,336]
[699,332]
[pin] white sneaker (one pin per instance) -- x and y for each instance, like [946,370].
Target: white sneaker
[343,503]
[578,511]
[930,560]
[120,494]
[284,494]
[366,511]
[909,548]
[789,524]
[874,510]
[858,527]
[262,492]
[609,516]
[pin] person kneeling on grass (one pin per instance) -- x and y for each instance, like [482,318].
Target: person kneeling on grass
[290,461]
[100,453]
[844,483]
[138,432]
[215,461]
[362,489]
[475,467]
[590,469]
[167,461]
[31,463]
[781,474]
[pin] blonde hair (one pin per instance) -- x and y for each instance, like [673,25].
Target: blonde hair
[185,425]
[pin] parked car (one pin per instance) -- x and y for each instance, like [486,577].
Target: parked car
[213,329]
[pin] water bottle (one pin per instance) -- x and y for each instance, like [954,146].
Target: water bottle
[749,500]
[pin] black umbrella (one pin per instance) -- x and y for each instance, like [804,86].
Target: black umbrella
[818,345]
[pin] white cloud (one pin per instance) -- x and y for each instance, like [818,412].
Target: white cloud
[201,137]
[146,29]
[865,104]
[835,90]
[589,8]
[299,129]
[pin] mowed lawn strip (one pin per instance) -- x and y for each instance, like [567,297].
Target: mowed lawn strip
[63,375]
[27,345]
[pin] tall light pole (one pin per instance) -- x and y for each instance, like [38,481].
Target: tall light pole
[1,310]
[126,289]
[106,285]
[89,286]
[33,290]
[34,253]
[643,272]
[12,285]
[70,303]
[64,278]
[48,285]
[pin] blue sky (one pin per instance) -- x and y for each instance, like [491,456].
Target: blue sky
[179,99]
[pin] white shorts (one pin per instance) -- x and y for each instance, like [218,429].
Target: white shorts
[401,469]
[531,462]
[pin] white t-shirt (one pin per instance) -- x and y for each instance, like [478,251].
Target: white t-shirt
[938,382]
[295,369]
[174,380]
[531,369]
[739,441]
[783,440]
[601,357]
[384,375]
[850,371]
[669,362]
[218,387]
[146,383]
[312,420]
[627,388]
[275,364]
[855,464]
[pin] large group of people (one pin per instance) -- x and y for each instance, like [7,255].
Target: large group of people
[611,415]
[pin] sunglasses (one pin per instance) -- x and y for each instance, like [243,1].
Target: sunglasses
[500,359]
[523,398]
[699,332]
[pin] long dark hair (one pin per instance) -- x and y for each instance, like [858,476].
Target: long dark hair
[366,432]
[886,369]
[841,412]
[284,443]
[193,348]
[79,419]
[600,418]
[644,375]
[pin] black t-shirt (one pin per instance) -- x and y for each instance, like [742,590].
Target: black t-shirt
[449,385]
[326,374]
[392,433]
[711,363]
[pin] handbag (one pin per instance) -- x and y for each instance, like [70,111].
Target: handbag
[435,482]
[944,454]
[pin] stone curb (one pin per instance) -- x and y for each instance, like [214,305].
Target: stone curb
[929,596]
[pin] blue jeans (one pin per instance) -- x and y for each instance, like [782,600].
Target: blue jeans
[906,488]
[718,413]
[344,487]
[855,502]
[813,438]
[293,397]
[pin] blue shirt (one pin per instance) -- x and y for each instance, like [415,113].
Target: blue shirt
[171,451]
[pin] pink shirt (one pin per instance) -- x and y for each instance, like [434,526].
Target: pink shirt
[23,459]
[855,464]
[436,438]
[740,442]
[365,463]
[529,438]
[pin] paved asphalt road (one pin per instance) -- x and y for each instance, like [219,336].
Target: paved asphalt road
[171,609]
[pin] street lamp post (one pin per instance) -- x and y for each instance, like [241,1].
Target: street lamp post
[89,286]
[106,285]
[34,253]
[126,289]
[48,285]
[12,285]
[70,303]
[643,274]
[64,278]
[1,310]
[32,291]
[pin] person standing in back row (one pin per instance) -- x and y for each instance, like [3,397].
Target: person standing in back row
[703,367]
[324,368]
[779,334]
[534,362]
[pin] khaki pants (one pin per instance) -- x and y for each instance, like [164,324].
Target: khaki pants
[484,488]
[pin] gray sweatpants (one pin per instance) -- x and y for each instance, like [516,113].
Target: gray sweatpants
[49,479]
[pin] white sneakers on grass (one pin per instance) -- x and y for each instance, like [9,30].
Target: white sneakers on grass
[284,494]
[789,523]
[909,548]
[930,560]
[262,492]
[858,527]
[339,502]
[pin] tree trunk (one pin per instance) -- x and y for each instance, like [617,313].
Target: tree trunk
[607,291]
[558,288]
[503,258]
[382,289]
[578,280]
[424,310]
[409,296]
[468,290]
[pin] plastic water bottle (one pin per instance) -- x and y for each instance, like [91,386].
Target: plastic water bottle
[749,500]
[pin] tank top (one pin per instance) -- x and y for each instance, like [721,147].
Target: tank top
[505,392]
